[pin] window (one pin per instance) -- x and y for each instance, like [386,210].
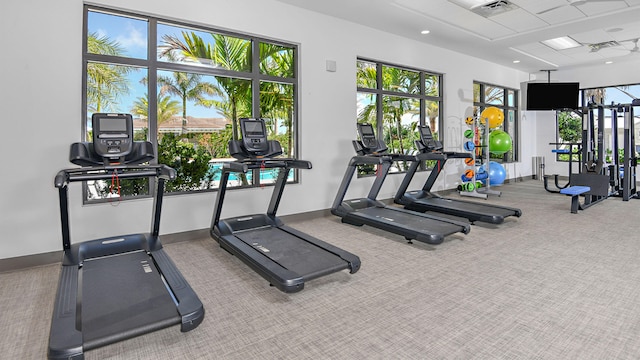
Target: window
[609,96]
[201,80]
[395,99]
[505,99]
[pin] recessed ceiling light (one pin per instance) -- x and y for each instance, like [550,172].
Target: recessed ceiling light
[516,61]
[608,62]
[561,43]
[424,32]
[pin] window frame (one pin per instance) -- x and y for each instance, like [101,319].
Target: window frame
[506,108]
[379,92]
[153,66]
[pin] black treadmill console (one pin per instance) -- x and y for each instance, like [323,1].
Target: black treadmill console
[254,135]
[368,143]
[367,136]
[112,135]
[254,143]
[112,144]
[426,136]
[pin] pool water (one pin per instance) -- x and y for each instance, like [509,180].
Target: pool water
[266,175]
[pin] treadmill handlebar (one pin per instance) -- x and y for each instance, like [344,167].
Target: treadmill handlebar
[370,159]
[107,172]
[431,156]
[403,157]
[276,163]
[234,166]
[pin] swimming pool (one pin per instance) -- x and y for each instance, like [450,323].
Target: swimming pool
[267,176]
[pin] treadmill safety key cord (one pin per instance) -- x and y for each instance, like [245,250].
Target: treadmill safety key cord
[115,182]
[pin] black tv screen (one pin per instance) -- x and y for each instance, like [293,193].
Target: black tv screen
[552,96]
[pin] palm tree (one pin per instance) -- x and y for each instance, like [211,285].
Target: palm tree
[393,107]
[226,52]
[166,107]
[187,86]
[276,102]
[276,99]
[105,83]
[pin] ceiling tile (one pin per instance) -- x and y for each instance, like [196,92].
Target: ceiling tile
[591,37]
[535,7]
[627,31]
[519,20]
[562,15]
[601,7]
[499,37]
[464,19]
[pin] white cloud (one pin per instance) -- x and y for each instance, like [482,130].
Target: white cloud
[132,38]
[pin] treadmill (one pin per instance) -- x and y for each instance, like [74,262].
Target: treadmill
[424,200]
[119,287]
[369,211]
[284,256]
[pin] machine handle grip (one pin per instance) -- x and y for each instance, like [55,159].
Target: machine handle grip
[369,160]
[234,166]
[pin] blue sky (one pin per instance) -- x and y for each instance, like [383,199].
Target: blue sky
[131,34]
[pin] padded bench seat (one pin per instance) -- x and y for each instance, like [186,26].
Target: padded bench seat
[575,192]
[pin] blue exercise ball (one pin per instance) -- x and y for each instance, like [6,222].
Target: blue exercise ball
[497,173]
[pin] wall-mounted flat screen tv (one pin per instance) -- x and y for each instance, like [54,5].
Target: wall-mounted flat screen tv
[553,96]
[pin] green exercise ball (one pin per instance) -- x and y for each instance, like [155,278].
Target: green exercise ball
[499,142]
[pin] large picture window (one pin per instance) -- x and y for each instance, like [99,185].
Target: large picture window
[505,99]
[186,87]
[395,99]
[569,124]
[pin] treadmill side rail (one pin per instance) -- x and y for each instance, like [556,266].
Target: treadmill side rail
[351,259]
[65,341]
[282,279]
[189,306]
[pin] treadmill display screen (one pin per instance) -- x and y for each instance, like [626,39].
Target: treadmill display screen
[253,128]
[426,132]
[113,124]
[367,130]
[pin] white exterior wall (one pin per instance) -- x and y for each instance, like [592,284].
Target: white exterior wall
[41,101]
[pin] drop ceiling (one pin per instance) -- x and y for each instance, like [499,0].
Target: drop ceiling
[507,32]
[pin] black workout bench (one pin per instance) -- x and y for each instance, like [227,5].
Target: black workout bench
[575,192]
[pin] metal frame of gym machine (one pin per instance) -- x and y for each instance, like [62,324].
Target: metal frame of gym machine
[593,172]
[424,200]
[119,287]
[622,173]
[370,211]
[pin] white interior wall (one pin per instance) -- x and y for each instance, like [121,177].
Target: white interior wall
[42,109]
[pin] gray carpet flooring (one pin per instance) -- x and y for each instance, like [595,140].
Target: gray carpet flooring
[547,285]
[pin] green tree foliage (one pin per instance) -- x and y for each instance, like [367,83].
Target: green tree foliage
[187,86]
[105,83]
[569,127]
[191,163]
[224,51]
[397,136]
[216,143]
[569,131]
[166,107]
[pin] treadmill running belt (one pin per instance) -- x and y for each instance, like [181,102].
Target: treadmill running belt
[476,211]
[409,220]
[292,252]
[123,296]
